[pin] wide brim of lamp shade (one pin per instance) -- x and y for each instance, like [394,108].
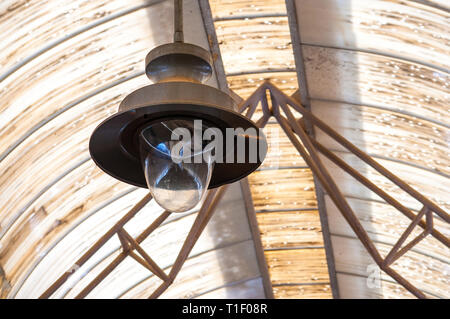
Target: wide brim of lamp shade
[113,144]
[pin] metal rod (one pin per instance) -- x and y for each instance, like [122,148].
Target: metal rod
[200,223]
[267,111]
[141,261]
[123,241]
[251,100]
[251,110]
[429,222]
[160,290]
[214,47]
[178,35]
[262,121]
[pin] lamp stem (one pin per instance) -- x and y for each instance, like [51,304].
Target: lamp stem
[178,21]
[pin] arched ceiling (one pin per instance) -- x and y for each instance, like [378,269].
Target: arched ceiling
[378,71]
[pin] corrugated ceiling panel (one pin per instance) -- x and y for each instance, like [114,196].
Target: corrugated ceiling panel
[304,229]
[84,234]
[225,228]
[285,189]
[245,84]
[378,72]
[298,266]
[30,32]
[230,9]
[385,224]
[318,291]
[258,43]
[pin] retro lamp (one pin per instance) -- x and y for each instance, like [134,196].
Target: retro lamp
[140,144]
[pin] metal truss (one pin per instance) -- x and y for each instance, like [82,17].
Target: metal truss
[281,107]
[308,147]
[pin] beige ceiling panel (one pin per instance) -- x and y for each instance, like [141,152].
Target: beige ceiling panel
[34,25]
[39,228]
[404,138]
[374,80]
[407,29]
[352,286]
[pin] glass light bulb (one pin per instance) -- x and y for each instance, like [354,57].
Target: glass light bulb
[175,176]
